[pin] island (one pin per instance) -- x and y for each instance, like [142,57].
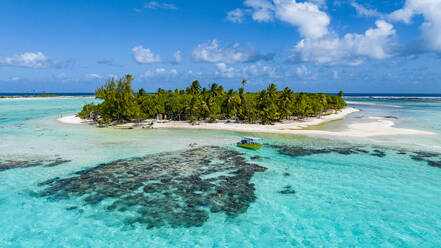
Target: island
[195,104]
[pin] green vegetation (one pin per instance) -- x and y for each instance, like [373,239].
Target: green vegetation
[121,104]
[47,95]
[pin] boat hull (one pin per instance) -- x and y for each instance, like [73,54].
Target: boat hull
[250,146]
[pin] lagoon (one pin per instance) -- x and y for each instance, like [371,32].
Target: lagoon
[343,191]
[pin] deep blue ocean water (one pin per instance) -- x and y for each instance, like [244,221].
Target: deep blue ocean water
[341,192]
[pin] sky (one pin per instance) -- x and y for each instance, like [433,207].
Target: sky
[358,46]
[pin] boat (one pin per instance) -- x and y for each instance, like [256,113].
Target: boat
[249,143]
[148,125]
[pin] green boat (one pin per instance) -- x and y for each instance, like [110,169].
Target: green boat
[249,143]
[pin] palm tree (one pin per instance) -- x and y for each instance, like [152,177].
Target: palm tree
[243,98]
[195,87]
[271,92]
[230,103]
[285,102]
[213,88]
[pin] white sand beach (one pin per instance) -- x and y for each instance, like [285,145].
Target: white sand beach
[377,127]
[72,119]
[245,127]
[374,104]
[380,127]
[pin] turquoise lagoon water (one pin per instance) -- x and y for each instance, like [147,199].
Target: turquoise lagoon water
[378,196]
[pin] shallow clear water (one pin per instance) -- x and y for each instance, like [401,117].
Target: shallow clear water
[346,199]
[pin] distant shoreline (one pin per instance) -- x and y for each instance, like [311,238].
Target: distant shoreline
[41,97]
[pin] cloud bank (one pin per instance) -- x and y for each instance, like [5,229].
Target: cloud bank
[30,60]
[212,52]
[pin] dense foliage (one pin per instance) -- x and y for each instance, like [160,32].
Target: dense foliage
[120,103]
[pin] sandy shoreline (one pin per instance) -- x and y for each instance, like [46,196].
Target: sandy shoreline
[244,127]
[378,127]
[72,119]
[374,104]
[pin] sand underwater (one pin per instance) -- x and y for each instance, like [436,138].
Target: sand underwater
[80,186]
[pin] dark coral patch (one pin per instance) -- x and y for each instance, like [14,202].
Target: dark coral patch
[298,151]
[427,157]
[423,156]
[167,189]
[378,153]
[13,164]
[434,163]
[287,190]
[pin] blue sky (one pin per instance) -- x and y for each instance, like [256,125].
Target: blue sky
[316,45]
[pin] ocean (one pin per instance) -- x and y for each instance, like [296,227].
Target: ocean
[81,186]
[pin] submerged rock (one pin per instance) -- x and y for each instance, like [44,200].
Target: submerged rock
[287,190]
[13,164]
[48,181]
[434,163]
[173,189]
[378,153]
[298,151]
[426,157]
[427,154]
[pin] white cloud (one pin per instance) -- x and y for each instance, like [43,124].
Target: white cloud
[145,55]
[254,70]
[321,3]
[335,74]
[303,71]
[158,5]
[29,60]
[93,76]
[363,11]
[193,73]
[431,27]
[235,16]
[15,78]
[263,10]
[161,72]
[178,57]
[213,53]
[257,70]
[319,43]
[312,22]
[375,43]
[228,72]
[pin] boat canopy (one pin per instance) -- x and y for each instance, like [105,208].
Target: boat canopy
[249,140]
